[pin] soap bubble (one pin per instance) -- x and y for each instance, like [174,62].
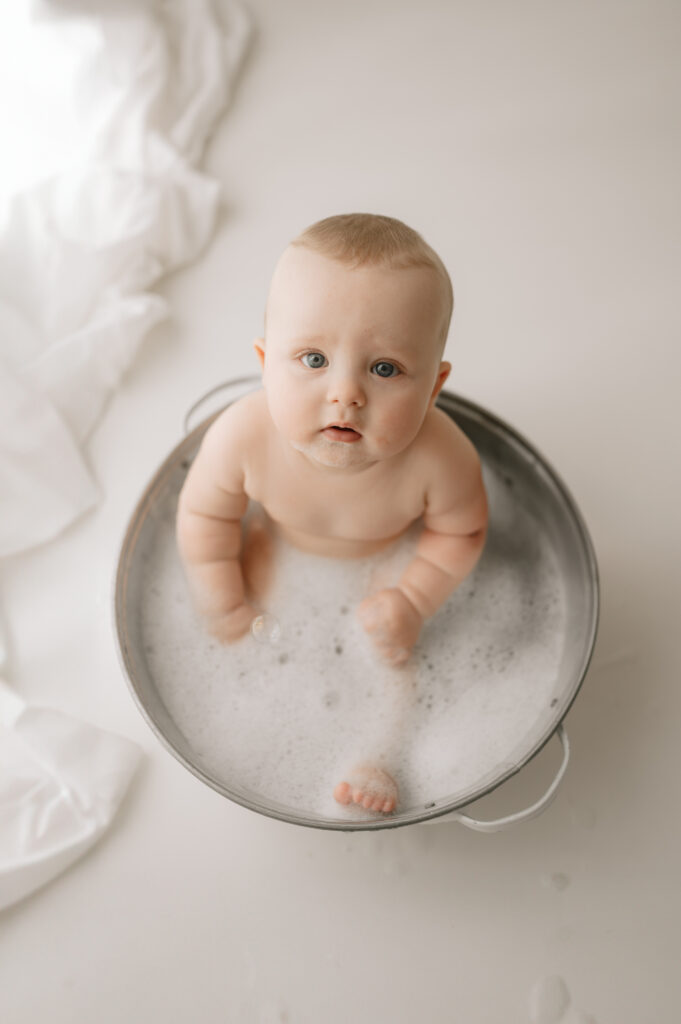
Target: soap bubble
[265,628]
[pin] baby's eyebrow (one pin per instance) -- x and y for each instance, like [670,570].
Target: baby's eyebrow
[307,339]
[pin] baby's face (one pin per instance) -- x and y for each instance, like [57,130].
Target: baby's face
[352,357]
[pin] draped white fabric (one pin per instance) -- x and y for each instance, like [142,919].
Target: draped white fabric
[105,113]
[107,110]
[61,782]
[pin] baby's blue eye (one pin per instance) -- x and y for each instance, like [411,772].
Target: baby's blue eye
[384,369]
[315,360]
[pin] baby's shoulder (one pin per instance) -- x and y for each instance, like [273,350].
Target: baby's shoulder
[443,444]
[236,432]
[242,422]
[451,465]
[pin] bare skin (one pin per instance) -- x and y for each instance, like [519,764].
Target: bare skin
[344,450]
[370,787]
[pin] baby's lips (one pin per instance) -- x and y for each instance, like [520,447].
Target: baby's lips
[341,433]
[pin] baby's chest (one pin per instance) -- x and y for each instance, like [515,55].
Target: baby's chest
[346,510]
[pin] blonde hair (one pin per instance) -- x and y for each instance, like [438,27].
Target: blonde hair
[358,239]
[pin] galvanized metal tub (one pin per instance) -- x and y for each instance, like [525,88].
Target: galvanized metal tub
[534,483]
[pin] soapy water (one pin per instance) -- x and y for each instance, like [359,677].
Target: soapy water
[284,713]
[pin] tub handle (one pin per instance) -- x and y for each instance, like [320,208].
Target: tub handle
[253,382]
[530,812]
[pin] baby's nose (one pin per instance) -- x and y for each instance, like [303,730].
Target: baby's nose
[346,389]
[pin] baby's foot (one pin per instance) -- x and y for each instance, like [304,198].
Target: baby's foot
[369,787]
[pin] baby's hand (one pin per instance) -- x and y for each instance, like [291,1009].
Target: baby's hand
[232,625]
[392,622]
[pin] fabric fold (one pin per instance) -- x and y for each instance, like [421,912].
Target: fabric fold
[61,783]
[101,195]
[134,92]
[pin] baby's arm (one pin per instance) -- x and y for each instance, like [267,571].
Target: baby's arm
[455,526]
[212,503]
[454,531]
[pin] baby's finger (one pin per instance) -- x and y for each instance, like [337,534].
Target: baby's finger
[232,626]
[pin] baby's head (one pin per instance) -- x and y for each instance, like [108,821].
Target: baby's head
[369,240]
[356,322]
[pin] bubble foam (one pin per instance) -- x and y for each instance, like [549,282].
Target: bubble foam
[284,713]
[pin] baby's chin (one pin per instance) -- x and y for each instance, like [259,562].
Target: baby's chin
[335,454]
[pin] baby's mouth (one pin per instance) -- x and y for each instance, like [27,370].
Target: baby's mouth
[341,432]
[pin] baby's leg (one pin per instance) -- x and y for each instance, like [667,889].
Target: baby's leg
[369,784]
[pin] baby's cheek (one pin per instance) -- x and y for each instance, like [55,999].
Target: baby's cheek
[288,411]
[398,426]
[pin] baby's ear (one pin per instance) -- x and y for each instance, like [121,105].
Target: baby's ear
[442,375]
[259,346]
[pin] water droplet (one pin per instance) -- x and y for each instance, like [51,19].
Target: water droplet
[549,999]
[265,628]
[557,880]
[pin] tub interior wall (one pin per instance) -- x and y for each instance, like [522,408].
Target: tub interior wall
[131,640]
[542,496]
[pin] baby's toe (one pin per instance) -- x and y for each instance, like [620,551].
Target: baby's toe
[373,789]
[343,793]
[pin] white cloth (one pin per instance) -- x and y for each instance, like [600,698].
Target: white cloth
[111,106]
[61,782]
[105,110]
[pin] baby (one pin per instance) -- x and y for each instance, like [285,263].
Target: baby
[343,447]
